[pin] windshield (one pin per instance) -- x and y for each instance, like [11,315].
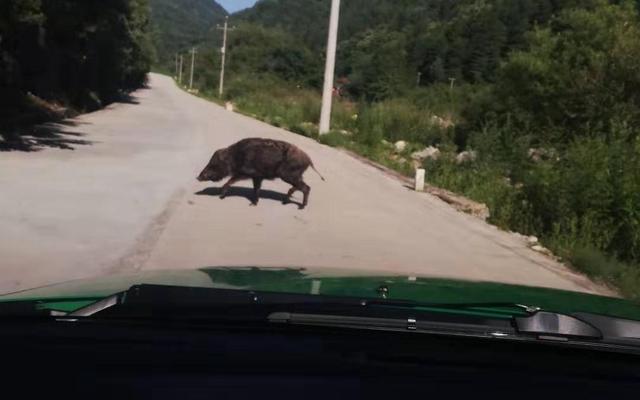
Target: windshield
[433,145]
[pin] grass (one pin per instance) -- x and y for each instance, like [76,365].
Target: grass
[596,264]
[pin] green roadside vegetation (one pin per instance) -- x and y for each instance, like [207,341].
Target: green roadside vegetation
[533,106]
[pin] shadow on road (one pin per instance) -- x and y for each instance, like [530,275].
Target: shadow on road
[52,134]
[247,193]
[32,125]
[129,98]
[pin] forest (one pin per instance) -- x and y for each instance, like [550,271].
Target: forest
[541,96]
[60,57]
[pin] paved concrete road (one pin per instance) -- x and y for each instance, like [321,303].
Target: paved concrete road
[129,201]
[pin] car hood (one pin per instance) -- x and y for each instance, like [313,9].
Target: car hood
[73,295]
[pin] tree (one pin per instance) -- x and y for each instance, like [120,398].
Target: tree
[579,75]
[256,49]
[377,64]
[83,53]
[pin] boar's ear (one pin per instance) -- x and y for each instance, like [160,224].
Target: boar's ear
[224,155]
[213,157]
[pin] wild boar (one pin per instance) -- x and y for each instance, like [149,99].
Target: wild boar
[259,159]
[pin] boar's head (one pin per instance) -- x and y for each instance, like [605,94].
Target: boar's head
[218,168]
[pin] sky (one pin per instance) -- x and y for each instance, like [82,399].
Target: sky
[236,5]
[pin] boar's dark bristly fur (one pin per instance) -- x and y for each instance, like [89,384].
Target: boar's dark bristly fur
[260,159]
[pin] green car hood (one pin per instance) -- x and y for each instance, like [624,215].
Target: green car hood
[73,295]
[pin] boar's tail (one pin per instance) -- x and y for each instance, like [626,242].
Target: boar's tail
[314,168]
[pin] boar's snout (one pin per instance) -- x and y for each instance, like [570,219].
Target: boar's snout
[211,174]
[203,177]
[216,170]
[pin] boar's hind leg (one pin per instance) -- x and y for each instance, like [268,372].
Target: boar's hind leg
[257,184]
[289,194]
[295,179]
[304,188]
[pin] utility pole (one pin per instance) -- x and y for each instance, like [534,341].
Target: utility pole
[180,71]
[223,52]
[193,61]
[330,67]
[177,62]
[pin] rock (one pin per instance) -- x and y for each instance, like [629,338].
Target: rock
[518,235]
[345,132]
[386,143]
[542,154]
[428,153]
[466,156]
[541,249]
[532,240]
[461,203]
[400,146]
[309,126]
[441,122]
[229,106]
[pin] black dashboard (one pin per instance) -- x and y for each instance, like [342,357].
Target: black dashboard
[107,359]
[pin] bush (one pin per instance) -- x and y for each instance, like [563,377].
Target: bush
[578,74]
[280,102]
[608,269]
[399,119]
[582,195]
[486,183]
[335,139]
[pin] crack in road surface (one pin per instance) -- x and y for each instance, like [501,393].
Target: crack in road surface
[129,201]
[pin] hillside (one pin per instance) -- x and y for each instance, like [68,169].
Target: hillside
[440,39]
[178,25]
[308,19]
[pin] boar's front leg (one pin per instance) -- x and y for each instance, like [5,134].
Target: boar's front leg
[225,188]
[257,184]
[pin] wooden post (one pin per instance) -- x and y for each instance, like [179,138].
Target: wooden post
[419,182]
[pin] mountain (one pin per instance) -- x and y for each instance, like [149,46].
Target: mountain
[394,40]
[178,25]
[308,19]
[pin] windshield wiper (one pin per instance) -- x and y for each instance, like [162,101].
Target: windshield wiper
[416,323]
[540,324]
[528,309]
[205,305]
[582,329]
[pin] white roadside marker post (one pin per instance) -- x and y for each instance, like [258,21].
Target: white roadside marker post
[419,181]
